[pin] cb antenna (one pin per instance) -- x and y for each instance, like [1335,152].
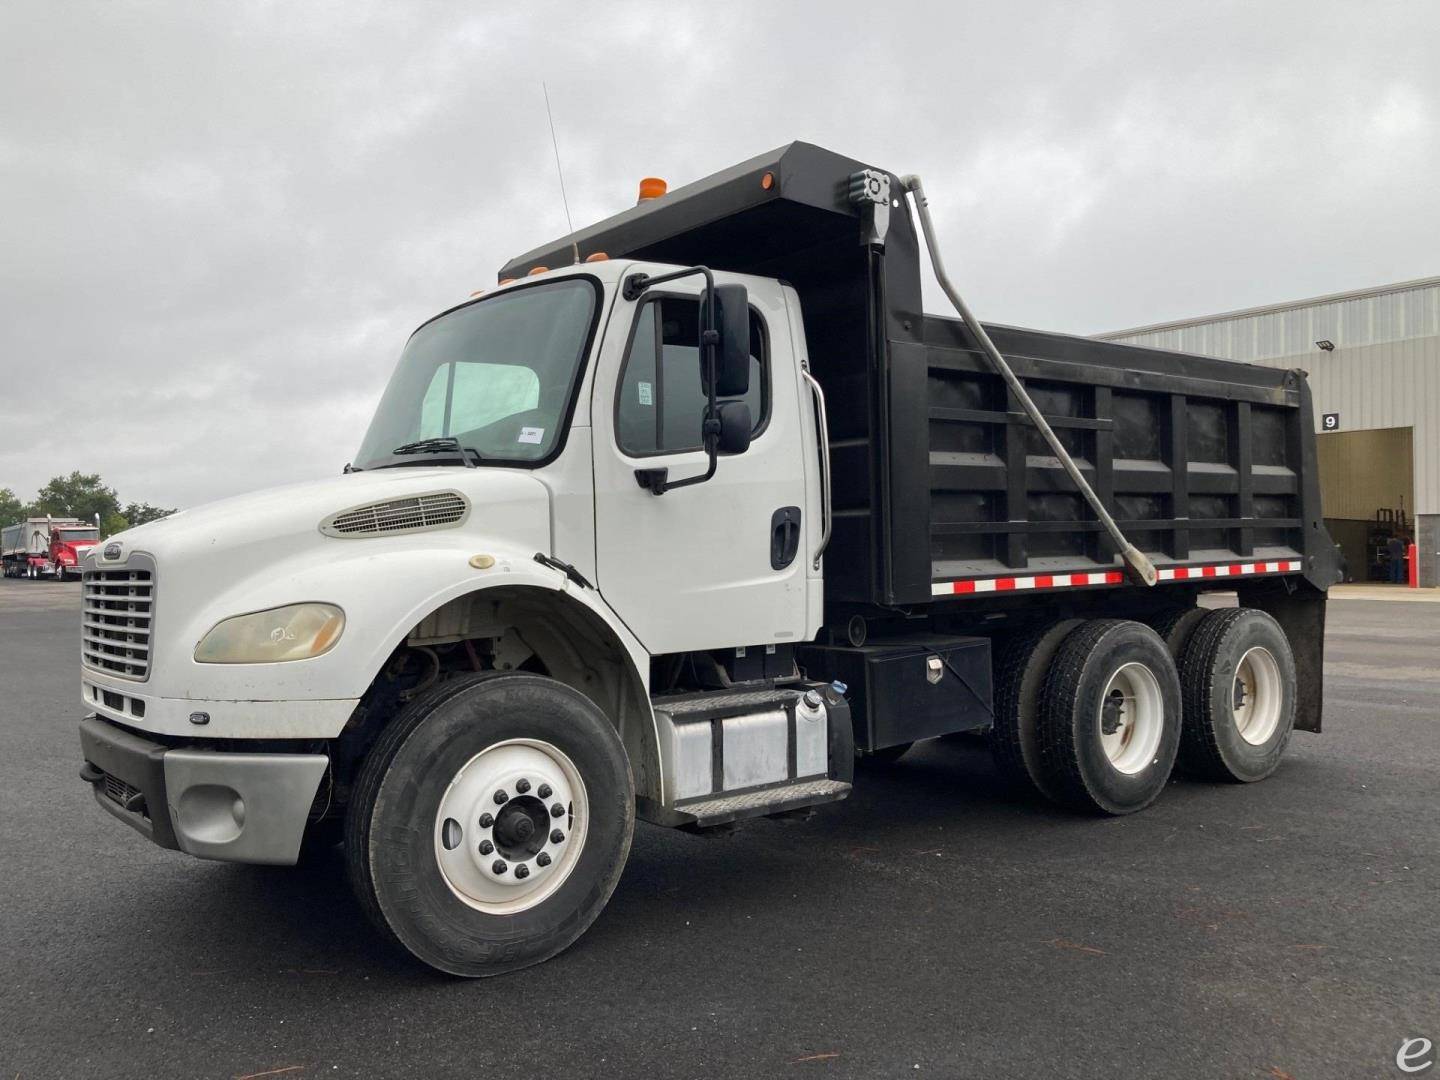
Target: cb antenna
[574,244]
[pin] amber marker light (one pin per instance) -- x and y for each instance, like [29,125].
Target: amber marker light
[652,187]
[598,256]
[767,181]
[538,270]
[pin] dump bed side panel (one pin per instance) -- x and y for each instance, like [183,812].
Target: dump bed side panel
[1202,462]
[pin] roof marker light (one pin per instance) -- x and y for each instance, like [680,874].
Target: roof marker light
[652,187]
[508,281]
[767,181]
[538,270]
[597,256]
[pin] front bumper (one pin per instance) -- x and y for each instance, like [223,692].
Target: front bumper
[236,807]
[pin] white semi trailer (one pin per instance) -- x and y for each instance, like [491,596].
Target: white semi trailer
[690,509]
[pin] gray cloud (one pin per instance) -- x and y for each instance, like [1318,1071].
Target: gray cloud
[221,221]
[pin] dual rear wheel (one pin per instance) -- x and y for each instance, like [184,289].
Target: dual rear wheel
[1096,714]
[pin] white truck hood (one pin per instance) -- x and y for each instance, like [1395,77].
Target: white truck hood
[266,549]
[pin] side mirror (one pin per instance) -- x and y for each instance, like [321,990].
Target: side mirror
[732,354]
[735,427]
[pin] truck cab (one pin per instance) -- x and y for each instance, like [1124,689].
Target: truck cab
[69,544]
[607,550]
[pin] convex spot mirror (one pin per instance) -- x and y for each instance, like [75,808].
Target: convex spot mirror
[735,427]
[732,355]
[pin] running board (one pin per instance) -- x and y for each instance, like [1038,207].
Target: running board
[751,804]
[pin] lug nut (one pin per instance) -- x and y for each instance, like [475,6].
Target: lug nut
[486,820]
[522,785]
[522,871]
[501,798]
[557,810]
[486,847]
[557,837]
[543,859]
[543,791]
[499,866]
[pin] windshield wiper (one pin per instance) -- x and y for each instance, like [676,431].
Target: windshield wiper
[441,445]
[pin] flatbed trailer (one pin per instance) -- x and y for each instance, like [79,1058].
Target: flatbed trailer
[693,508]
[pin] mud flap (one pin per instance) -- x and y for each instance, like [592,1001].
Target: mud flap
[1299,608]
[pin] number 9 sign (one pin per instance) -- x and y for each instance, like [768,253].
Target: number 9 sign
[1330,421]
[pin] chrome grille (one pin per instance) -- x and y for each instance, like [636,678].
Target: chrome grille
[117,618]
[432,511]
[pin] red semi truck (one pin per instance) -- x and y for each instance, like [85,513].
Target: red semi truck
[40,546]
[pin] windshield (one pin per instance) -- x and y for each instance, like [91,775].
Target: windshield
[497,375]
[79,534]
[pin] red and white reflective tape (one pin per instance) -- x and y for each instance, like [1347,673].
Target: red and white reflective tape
[1107,577]
[1186,573]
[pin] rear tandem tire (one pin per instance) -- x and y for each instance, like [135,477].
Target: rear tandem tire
[1238,680]
[1175,625]
[1110,717]
[423,837]
[1020,671]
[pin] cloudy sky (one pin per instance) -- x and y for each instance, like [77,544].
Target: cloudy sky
[219,222]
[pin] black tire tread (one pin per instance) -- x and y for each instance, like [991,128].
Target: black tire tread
[1060,749]
[1175,626]
[1200,754]
[1007,745]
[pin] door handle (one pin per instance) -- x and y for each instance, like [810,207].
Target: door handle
[784,536]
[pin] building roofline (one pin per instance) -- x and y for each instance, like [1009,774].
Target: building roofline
[1266,309]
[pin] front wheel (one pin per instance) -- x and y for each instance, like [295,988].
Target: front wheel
[490,823]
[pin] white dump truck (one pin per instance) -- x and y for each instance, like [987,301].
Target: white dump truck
[692,508]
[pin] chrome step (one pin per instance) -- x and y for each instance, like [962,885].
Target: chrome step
[774,800]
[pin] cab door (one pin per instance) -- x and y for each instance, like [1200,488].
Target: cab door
[714,565]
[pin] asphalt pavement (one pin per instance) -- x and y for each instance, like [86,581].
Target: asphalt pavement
[934,924]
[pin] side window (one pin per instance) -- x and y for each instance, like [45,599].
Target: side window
[662,401]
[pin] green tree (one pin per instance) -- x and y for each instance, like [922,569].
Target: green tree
[11,508]
[143,513]
[80,495]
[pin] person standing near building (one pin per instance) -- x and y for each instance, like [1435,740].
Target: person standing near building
[1395,548]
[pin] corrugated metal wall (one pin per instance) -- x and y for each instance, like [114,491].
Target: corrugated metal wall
[1384,372]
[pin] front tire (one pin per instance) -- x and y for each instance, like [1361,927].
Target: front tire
[1238,680]
[453,841]
[1110,717]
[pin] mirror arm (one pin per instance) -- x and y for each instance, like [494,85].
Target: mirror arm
[656,481]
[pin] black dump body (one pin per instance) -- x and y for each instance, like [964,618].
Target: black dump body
[938,475]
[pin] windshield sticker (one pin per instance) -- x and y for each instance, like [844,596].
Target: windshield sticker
[531,435]
[645,394]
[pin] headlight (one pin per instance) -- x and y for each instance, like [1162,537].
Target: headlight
[293,632]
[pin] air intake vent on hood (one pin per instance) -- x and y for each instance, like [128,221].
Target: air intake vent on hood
[437,510]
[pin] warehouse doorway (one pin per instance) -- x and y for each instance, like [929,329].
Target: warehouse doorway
[1367,489]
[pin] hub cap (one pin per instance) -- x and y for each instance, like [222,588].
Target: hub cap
[500,847]
[1257,696]
[1132,718]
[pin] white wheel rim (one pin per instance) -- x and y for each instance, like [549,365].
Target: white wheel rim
[1256,696]
[1133,709]
[475,835]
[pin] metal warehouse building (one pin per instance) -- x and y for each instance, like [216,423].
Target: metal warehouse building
[1373,357]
